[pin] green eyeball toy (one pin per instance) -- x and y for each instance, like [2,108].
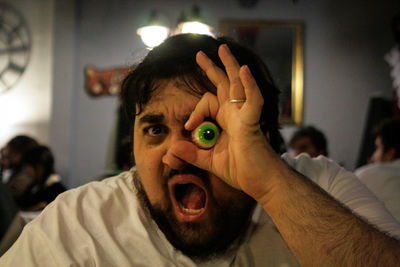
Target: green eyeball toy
[206,135]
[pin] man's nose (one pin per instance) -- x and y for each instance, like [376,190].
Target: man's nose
[169,158]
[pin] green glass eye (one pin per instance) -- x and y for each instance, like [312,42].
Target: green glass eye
[206,135]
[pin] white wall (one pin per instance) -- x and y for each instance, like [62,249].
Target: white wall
[26,108]
[344,45]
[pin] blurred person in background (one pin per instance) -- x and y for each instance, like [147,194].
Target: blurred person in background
[44,185]
[309,140]
[382,174]
[11,223]
[4,163]
[11,156]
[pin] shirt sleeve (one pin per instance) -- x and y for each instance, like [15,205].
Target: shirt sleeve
[29,250]
[55,238]
[345,187]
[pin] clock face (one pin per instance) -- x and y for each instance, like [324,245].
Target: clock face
[15,46]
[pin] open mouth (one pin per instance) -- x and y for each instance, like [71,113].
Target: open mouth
[189,197]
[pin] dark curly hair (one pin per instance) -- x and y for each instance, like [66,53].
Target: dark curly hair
[316,136]
[175,58]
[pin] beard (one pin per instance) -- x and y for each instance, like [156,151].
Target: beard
[200,241]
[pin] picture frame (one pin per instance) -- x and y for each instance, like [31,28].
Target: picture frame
[280,45]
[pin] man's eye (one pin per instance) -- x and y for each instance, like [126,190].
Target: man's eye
[205,135]
[153,130]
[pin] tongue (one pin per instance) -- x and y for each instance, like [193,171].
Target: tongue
[194,197]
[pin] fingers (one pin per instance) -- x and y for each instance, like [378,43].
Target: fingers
[215,74]
[190,153]
[253,105]
[173,161]
[238,83]
[229,85]
[206,108]
[232,67]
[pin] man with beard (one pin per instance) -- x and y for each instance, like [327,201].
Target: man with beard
[205,122]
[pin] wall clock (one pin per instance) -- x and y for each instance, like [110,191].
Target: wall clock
[15,46]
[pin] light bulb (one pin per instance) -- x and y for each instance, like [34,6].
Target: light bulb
[153,35]
[196,27]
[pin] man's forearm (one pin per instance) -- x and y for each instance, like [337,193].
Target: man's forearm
[320,231]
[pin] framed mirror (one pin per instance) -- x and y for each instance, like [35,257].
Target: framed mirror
[280,46]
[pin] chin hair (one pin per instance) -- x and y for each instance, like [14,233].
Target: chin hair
[227,229]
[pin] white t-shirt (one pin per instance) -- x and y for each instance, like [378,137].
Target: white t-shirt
[383,179]
[102,224]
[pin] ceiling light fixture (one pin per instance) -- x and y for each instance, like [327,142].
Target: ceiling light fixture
[155,31]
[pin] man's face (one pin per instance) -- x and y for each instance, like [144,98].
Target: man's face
[9,158]
[199,213]
[4,159]
[380,155]
[304,145]
[24,178]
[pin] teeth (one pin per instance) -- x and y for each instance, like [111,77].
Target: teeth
[190,211]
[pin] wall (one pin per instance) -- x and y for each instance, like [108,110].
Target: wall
[344,45]
[26,108]
[64,91]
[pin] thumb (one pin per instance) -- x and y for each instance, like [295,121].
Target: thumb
[192,154]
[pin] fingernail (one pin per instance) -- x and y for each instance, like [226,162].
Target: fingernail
[201,53]
[246,70]
[226,47]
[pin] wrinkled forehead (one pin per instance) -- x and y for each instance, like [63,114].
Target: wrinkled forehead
[171,101]
[191,85]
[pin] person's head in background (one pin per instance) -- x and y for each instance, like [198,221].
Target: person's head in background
[387,141]
[39,162]
[15,149]
[4,161]
[309,140]
[37,165]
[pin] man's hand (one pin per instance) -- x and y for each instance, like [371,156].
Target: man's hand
[318,229]
[241,151]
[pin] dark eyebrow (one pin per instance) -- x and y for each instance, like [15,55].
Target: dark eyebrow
[151,118]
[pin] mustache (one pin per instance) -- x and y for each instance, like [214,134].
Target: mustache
[189,169]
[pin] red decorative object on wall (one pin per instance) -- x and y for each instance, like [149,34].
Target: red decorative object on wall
[104,82]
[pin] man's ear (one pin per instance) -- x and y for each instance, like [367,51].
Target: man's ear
[390,154]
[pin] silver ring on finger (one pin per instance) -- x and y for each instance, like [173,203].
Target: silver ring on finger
[237,100]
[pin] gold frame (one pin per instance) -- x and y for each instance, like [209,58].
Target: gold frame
[297,60]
